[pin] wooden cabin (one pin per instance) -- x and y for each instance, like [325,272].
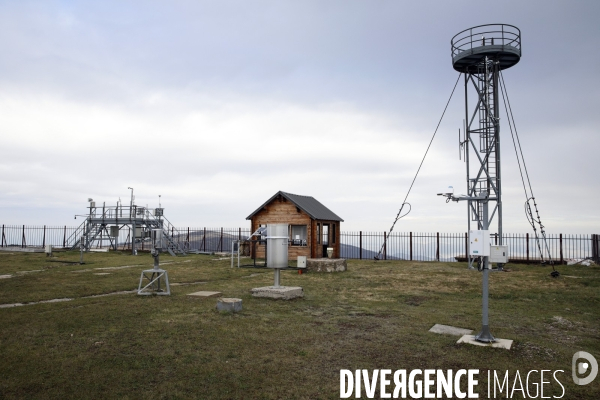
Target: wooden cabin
[312,226]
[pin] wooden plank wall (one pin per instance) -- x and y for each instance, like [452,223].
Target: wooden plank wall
[282,211]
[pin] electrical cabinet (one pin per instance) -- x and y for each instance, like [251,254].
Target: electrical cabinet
[479,243]
[498,254]
[301,261]
[114,231]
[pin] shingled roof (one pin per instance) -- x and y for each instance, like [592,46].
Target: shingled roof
[308,204]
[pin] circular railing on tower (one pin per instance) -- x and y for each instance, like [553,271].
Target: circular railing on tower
[499,42]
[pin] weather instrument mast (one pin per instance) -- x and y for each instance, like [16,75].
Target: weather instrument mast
[480,53]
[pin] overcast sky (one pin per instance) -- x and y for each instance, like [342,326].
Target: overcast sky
[217,105]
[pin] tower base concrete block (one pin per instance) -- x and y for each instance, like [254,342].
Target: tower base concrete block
[498,343]
[282,292]
[229,304]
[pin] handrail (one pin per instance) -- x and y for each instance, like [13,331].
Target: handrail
[507,35]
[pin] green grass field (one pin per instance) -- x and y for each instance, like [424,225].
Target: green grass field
[374,316]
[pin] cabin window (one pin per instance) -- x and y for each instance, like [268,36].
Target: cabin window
[298,235]
[263,235]
[318,233]
[333,233]
[325,234]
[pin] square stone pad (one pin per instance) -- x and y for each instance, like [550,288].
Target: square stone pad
[205,294]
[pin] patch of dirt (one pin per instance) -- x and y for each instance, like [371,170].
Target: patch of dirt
[415,301]
[532,351]
[560,321]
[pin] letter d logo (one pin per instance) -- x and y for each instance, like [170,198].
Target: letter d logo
[583,367]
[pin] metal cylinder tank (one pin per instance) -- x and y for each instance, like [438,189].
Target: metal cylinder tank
[277,245]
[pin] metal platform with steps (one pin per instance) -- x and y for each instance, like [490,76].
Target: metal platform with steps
[103,224]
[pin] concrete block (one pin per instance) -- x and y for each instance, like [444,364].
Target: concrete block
[229,304]
[450,330]
[205,294]
[326,264]
[282,292]
[499,343]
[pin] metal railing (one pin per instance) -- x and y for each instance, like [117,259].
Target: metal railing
[437,246]
[482,35]
[418,246]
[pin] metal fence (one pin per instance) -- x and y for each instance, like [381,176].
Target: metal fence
[418,246]
[438,246]
[195,239]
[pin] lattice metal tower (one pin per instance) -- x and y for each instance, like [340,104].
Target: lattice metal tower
[480,53]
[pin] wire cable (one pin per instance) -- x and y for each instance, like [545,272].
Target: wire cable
[400,215]
[528,195]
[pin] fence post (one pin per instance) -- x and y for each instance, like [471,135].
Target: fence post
[411,247]
[595,242]
[44,238]
[437,247]
[359,244]
[23,241]
[221,241]
[204,240]
[65,237]
[561,248]
[3,237]
[527,242]
[467,246]
[384,246]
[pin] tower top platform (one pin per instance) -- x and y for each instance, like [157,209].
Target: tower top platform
[499,42]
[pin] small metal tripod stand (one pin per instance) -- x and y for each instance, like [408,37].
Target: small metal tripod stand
[154,276]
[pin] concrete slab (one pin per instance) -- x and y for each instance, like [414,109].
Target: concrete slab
[205,293]
[282,292]
[326,265]
[229,304]
[5,276]
[450,330]
[499,343]
[23,249]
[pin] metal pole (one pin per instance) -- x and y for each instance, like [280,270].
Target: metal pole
[437,249]
[485,335]
[133,250]
[561,248]
[276,283]
[360,245]
[81,246]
